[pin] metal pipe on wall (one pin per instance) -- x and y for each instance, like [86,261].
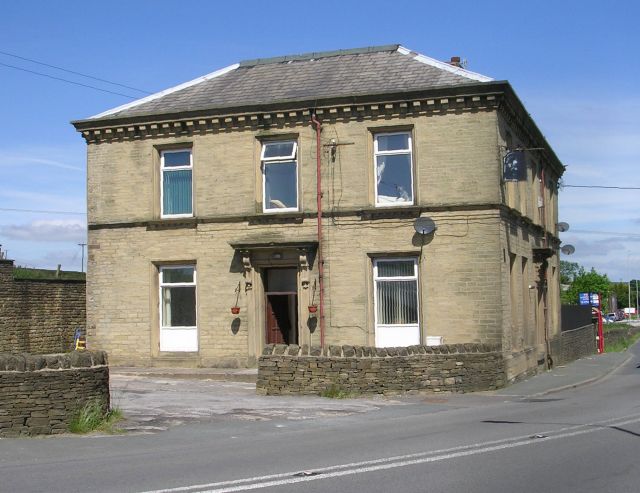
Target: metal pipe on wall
[545,307]
[318,126]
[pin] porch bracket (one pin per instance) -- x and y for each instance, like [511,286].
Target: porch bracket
[246,264]
[304,267]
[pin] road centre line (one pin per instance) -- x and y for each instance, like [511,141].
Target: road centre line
[402,460]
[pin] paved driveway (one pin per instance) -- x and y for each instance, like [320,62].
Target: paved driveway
[154,402]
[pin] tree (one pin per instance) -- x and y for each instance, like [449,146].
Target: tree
[621,291]
[569,271]
[587,282]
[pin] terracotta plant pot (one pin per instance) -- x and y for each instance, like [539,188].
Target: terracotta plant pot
[313,308]
[235,310]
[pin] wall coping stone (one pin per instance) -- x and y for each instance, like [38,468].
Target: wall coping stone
[24,362]
[584,327]
[365,352]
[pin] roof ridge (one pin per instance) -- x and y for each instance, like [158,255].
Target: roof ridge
[427,60]
[318,54]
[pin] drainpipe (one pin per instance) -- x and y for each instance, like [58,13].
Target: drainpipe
[318,126]
[545,308]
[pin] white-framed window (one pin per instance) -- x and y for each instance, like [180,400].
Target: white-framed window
[178,320]
[176,191]
[279,165]
[395,283]
[393,169]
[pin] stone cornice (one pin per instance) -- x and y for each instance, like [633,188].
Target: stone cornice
[399,106]
[516,115]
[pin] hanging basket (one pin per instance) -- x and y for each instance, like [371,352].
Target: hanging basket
[313,308]
[235,310]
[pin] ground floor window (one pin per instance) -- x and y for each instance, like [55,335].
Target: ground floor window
[178,327]
[396,302]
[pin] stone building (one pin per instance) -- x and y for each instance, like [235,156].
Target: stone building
[205,240]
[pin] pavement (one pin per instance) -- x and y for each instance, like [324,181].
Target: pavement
[580,372]
[155,399]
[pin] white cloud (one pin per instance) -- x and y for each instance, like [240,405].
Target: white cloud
[36,157]
[47,231]
[598,143]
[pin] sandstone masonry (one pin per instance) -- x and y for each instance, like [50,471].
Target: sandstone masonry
[575,344]
[447,368]
[488,273]
[40,394]
[39,316]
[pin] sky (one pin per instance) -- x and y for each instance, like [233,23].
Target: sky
[574,64]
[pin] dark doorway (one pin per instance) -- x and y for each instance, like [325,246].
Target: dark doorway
[281,306]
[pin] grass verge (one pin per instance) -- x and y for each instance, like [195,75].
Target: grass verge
[616,327]
[335,392]
[619,337]
[92,417]
[23,273]
[621,344]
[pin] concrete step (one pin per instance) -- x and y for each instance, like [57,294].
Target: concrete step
[225,374]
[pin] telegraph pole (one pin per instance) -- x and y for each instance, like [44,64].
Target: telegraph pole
[637,299]
[629,304]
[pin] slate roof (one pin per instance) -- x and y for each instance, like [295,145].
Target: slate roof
[309,77]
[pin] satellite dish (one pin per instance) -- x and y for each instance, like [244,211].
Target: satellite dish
[424,225]
[562,227]
[568,249]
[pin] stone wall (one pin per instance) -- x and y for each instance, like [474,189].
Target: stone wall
[574,344]
[40,394]
[39,316]
[616,334]
[293,369]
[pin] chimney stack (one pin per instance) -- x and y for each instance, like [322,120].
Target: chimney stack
[455,61]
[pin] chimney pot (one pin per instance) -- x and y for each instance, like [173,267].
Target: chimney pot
[455,61]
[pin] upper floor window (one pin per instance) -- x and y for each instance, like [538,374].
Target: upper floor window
[279,176]
[176,192]
[393,167]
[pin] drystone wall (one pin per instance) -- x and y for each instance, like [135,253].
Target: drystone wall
[39,316]
[574,344]
[40,394]
[293,369]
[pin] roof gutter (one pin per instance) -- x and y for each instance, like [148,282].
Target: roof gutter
[471,89]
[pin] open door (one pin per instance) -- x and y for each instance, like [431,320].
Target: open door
[281,306]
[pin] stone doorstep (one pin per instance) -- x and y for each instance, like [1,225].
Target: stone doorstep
[248,375]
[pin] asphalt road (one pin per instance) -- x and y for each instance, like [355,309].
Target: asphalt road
[582,440]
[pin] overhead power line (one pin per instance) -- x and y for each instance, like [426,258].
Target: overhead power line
[608,233]
[73,72]
[67,81]
[600,186]
[43,211]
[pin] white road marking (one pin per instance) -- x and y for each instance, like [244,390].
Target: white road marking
[287,478]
